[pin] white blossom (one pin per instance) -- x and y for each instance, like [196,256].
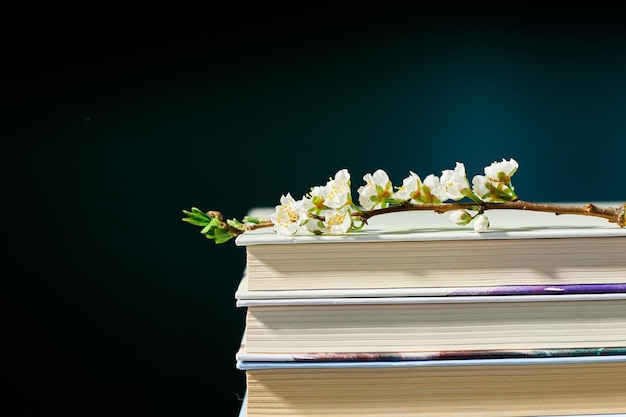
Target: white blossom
[289,215]
[454,182]
[338,222]
[317,196]
[377,187]
[481,223]
[409,190]
[481,187]
[501,171]
[495,185]
[416,191]
[306,205]
[337,191]
[432,191]
[328,209]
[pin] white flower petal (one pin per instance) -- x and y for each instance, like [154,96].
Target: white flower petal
[481,223]
[460,217]
[289,215]
[338,222]
[410,185]
[454,182]
[479,186]
[504,168]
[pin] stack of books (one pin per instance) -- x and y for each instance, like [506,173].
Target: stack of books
[416,316]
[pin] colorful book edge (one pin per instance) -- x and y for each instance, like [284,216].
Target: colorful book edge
[258,365]
[243,356]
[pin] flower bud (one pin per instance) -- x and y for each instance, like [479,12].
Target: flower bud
[481,223]
[460,217]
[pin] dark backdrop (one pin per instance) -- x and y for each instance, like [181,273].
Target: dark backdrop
[112,124]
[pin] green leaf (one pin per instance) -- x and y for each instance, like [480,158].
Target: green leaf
[250,219]
[196,217]
[210,228]
[195,222]
[215,231]
[222,235]
[235,223]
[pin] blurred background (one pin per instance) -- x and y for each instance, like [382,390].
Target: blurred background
[114,123]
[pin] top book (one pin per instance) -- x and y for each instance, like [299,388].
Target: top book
[422,251]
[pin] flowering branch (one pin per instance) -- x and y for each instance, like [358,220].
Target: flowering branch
[329,209]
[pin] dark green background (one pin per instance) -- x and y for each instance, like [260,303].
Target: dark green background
[112,126]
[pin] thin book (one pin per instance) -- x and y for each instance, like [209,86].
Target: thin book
[432,324]
[425,253]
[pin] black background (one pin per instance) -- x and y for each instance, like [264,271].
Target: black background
[114,121]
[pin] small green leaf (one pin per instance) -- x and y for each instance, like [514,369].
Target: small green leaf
[195,222]
[216,231]
[222,235]
[235,223]
[196,217]
[209,228]
[250,219]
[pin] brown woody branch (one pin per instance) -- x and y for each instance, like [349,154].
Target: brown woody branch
[612,214]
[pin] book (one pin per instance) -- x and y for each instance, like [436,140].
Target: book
[432,324]
[425,252]
[577,385]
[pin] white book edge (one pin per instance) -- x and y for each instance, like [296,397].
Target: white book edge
[430,300]
[242,294]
